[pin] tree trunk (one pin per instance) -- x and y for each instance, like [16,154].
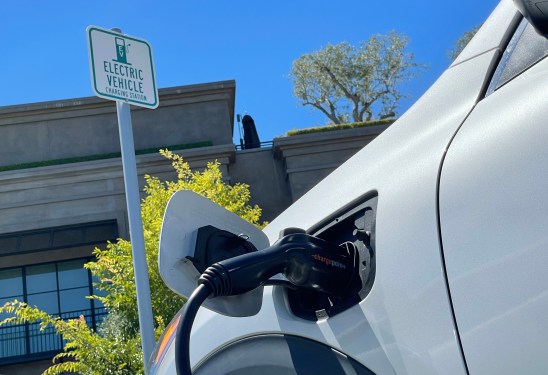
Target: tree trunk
[356,114]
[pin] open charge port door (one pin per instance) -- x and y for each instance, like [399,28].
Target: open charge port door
[353,226]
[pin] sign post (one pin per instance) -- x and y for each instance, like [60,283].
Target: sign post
[122,70]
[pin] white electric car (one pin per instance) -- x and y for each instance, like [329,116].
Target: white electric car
[447,212]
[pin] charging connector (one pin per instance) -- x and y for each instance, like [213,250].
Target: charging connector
[305,261]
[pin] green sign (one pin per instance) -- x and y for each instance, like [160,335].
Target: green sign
[121,67]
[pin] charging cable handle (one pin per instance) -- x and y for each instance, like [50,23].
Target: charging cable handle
[306,262]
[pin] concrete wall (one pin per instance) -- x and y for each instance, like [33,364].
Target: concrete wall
[280,175]
[266,179]
[91,191]
[309,158]
[83,192]
[88,126]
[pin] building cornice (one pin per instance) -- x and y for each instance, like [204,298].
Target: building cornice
[79,107]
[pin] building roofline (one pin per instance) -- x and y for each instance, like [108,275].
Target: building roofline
[32,112]
[228,87]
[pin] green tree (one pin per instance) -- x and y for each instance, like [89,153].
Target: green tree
[115,349]
[462,42]
[355,83]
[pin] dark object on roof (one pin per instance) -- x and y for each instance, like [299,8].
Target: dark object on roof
[251,138]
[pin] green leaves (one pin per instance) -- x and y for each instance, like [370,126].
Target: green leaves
[349,83]
[86,352]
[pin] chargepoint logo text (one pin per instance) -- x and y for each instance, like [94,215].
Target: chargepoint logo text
[329,262]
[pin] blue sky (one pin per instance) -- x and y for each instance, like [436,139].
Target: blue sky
[45,56]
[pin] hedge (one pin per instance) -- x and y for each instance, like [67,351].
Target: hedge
[328,128]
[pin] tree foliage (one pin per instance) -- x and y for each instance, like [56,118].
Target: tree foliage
[349,83]
[115,349]
[462,42]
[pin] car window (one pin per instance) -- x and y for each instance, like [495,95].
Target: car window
[525,49]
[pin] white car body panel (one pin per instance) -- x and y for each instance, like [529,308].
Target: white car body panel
[493,206]
[407,316]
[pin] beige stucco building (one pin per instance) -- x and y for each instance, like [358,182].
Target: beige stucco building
[62,191]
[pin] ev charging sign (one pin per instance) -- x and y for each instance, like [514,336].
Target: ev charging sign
[121,67]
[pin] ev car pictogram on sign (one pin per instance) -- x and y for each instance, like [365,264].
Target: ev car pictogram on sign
[121,67]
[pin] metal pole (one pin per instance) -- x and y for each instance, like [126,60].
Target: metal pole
[140,268]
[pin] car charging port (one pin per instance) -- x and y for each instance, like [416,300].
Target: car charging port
[354,229]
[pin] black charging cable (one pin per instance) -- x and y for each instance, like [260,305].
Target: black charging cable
[182,340]
[305,261]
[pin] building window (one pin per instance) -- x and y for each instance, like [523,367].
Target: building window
[58,238]
[59,289]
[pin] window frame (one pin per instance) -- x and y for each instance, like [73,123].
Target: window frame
[523,30]
[27,341]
